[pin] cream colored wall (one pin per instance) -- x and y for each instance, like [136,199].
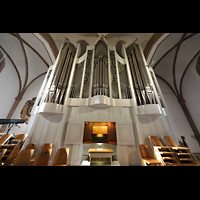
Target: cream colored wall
[191,93]
[9,87]
[177,119]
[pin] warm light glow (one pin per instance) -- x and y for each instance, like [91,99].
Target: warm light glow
[100,130]
[100,135]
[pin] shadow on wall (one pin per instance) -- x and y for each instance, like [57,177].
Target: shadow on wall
[147,119]
[53,118]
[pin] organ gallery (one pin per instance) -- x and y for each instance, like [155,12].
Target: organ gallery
[102,106]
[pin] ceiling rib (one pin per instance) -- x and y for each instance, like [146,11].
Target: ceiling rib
[181,81]
[18,74]
[25,58]
[96,35]
[174,62]
[108,35]
[45,62]
[51,43]
[155,65]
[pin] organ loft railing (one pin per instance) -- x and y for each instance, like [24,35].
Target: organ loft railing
[100,71]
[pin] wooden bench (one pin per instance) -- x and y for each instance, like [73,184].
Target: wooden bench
[61,157]
[9,160]
[44,146]
[2,153]
[183,154]
[42,158]
[23,157]
[18,140]
[4,138]
[164,154]
[147,158]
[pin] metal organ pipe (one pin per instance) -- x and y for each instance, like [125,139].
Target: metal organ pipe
[135,81]
[142,84]
[60,80]
[58,69]
[105,69]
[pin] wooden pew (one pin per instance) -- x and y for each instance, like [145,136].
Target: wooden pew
[47,146]
[42,158]
[155,141]
[14,154]
[31,146]
[44,146]
[147,158]
[169,141]
[61,157]
[164,154]
[183,154]
[18,140]
[23,157]
[2,153]
[9,160]
[4,138]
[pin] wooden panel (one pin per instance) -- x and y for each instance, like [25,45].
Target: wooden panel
[100,130]
[112,133]
[87,138]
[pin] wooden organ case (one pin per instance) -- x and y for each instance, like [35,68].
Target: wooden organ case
[100,132]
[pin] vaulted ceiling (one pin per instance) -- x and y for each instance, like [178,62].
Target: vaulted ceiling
[31,53]
[27,55]
[112,38]
[173,56]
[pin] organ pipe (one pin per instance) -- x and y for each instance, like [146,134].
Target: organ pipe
[60,80]
[100,71]
[142,85]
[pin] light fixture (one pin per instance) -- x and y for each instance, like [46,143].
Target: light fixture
[99,146]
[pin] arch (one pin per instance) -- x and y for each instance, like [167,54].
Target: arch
[119,47]
[83,46]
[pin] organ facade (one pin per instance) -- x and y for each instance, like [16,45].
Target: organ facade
[99,99]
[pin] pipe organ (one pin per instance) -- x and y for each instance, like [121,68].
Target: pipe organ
[99,86]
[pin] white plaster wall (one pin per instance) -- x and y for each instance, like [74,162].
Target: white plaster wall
[191,92]
[9,86]
[177,119]
[31,92]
